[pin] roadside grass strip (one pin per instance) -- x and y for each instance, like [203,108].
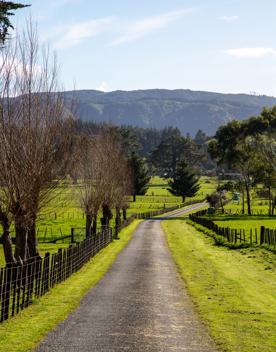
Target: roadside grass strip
[234,291]
[23,333]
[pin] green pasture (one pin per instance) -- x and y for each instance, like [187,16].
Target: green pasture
[259,206]
[250,226]
[64,212]
[233,291]
[245,222]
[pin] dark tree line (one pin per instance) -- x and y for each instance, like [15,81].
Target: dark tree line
[161,149]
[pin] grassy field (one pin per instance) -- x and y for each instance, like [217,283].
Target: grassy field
[233,291]
[159,188]
[245,222]
[44,314]
[63,212]
[249,225]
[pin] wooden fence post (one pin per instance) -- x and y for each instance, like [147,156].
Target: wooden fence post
[262,233]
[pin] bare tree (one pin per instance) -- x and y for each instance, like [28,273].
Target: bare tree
[34,136]
[115,174]
[92,187]
[105,178]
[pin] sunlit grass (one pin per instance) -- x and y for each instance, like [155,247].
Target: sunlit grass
[234,290]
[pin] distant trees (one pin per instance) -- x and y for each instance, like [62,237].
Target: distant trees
[217,199]
[140,175]
[149,143]
[249,148]
[6,11]
[184,182]
[173,150]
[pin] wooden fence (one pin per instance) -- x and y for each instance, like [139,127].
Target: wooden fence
[259,236]
[21,284]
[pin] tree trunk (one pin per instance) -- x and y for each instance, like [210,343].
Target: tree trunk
[243,201]
[269,201]
[94,225]
[7,247]
[7,241]
[32,240]
[221,203]
[107,215]
[21,245]
[117,221]
[88,224]
[248,198]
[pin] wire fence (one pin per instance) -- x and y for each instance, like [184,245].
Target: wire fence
[253,236]
[20,284]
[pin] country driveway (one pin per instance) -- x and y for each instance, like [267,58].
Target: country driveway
[141,304]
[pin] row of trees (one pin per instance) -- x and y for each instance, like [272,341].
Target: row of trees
[34,137]
[40,147]
[105,177]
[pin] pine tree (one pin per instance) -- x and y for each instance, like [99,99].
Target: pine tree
[140,175]
[6,10]
[184,182]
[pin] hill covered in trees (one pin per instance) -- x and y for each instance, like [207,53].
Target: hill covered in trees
[158,108]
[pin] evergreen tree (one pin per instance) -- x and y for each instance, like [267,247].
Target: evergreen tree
[140,175]
[184,182]
[6,10]
[171,151]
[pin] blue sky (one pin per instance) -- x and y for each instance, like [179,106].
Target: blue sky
[214,45]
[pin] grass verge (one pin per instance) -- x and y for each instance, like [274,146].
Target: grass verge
[234,291]
[22,333]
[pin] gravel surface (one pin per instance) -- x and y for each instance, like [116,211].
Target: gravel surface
[141,304]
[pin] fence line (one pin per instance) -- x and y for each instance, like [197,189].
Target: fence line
[21,283]
[254,212]
[256,236]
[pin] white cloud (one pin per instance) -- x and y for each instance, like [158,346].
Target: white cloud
[229,18]
[251,52]
[140,28]
[73,35]
[104,87]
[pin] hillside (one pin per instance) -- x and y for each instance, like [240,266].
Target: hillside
[188,110]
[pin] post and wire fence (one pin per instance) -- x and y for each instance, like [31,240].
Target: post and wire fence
[20,284]
[259,237]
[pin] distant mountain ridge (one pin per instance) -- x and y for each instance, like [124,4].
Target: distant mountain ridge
[188,110]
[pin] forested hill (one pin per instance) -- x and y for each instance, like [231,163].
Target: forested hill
[188,110]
